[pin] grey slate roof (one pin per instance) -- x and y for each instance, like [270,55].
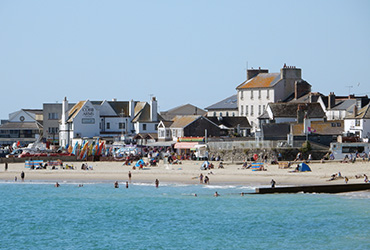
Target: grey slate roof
[285,110]
[231,121]
[275,130]
[363,113]
[118,106]
[21,125]
[230,103]
[187,109]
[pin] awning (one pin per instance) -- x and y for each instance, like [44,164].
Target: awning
[185,145]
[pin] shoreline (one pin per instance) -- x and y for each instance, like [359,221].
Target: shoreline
[189,171]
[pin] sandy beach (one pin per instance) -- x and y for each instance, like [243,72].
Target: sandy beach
[188,172]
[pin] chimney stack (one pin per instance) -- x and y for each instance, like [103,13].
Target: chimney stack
[355,110]
[254,72]
[131,109]
[300,113]
[331,100]
[153,109]
[301,88]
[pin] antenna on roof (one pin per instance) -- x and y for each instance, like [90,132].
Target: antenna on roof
[246,71]
[349,89]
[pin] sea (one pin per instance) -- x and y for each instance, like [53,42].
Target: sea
[37,215]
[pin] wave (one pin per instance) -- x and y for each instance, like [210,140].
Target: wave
[356,195]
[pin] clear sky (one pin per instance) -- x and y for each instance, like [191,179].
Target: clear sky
[179,51]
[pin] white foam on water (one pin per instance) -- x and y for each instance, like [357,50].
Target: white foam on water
[356,195]
[219,186]
[247,187]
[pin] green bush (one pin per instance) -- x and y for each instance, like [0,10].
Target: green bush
[306,147]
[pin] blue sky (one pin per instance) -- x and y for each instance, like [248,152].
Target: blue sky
[179,51]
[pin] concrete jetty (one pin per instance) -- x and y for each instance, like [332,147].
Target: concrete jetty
[332,189]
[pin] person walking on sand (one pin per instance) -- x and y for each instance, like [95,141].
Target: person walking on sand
[22,176]
[346,179]
[206,180]
[201,178]
[273,183]
[129,176]
[156,183]
[6,166]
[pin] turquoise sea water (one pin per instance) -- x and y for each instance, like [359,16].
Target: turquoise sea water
[97,216]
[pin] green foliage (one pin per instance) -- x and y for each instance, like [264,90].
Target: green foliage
[306,147]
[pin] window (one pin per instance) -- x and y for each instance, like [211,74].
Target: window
[263,108]
[144,127]
[251,94]
[241,95]
[161,133]
[108,125]
[339,124]
[214,114]
[220,113]
[88,121]
[53,116]
[251,110]
[121,125]
[246,109]
[233,114]
[268,94]
[227,113]
[259,94]
[241,110]
[333,124]
[352,149]
[259,109]
[53,130]
[358,122]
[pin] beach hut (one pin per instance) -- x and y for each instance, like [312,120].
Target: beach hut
[303,167]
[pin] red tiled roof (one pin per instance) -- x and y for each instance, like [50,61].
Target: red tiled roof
[262,80]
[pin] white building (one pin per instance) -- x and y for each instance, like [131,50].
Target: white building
[225,108]
[24,125]
[262,87]
[88,119]
[358,122]
[339,107]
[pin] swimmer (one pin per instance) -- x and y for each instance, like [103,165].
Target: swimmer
[126,184]
[156,183]
[56,185]
[216,194]
[116,184]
